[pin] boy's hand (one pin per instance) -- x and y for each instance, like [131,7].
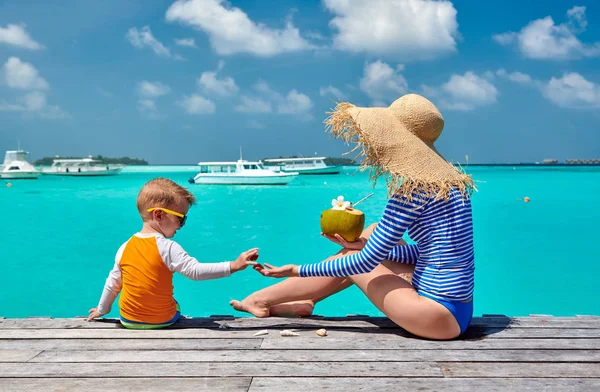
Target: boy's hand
[244,260]
[93,314]
[338,239]
[289,270]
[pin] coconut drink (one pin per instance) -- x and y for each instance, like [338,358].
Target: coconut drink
[342,219]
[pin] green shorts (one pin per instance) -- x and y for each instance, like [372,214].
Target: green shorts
[129,324]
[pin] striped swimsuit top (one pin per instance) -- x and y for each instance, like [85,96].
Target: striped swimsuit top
[443,254]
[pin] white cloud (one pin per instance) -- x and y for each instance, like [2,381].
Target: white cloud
[34,101]
[16,35]
[543,39]
[147,105]
[21,75]
[104,92]
[231,31]
[188,42]
[149,109]
[401,29]
[382,83]
[224,87]
[143,38]
[253,105]
[197,104]
[335,92]
[463,92]
[517,77]
[256,124]
[294,103]
[572,91]
[152,89]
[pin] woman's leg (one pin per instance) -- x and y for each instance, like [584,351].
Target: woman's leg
[293,296]
[298,296]
[401,303]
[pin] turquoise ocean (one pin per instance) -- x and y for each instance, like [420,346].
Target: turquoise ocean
[60,236]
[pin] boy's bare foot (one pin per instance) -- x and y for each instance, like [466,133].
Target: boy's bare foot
[257,308]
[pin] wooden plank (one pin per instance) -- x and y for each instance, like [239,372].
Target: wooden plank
[223,369]
[366,343]
[319,356]
[592,322]
[133,344]
[17,355]
[520,370]
[423,384]
[491,333]
[296,343]
[233,384]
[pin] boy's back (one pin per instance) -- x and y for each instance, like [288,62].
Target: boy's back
[147,293]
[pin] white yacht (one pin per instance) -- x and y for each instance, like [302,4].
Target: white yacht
[16,166]
[239,173]
[81,167]
[314,165]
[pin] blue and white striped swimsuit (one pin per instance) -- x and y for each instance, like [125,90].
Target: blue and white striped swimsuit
[444,254]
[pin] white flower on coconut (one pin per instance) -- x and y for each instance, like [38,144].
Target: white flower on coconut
[339,203]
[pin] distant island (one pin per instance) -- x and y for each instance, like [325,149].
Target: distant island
[47,161]
[330,161]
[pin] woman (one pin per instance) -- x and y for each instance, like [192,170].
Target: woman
[429,197]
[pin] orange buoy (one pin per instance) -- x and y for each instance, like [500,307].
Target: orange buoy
[526,199]
[9,185]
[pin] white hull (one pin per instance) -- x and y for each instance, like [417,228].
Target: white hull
[320,170]
[277,179]
[83,173]
[16,175]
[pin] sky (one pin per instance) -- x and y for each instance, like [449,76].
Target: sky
[178,82]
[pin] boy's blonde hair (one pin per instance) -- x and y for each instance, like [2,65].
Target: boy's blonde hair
[162,192]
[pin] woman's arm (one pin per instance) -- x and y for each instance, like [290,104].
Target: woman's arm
[399,214]
[405,254]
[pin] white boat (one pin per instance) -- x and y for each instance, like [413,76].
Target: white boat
[239,173]
[314,165]
[16,166]
[81,167]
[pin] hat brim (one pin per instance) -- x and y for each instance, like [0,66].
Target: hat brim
[388,148]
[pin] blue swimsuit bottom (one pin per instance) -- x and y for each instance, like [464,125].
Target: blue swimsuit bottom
[461,310]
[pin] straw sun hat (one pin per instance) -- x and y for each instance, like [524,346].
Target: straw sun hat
[397,142]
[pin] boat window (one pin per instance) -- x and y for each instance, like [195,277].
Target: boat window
[247,167]
[203,169]
[13,168]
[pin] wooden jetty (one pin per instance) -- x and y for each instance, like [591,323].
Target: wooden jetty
[221,353]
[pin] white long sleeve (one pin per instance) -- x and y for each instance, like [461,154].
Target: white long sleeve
[113,285]
[178,260]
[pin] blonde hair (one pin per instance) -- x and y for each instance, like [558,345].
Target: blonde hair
[162,192]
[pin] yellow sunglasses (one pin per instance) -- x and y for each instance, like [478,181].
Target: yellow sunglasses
[182,218]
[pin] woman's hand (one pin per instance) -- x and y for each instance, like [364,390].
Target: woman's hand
[338,239]
[289,270]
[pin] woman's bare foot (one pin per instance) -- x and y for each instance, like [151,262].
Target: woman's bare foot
[293,309]
[251,305]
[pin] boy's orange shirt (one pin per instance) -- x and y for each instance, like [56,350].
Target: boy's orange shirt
[147,293]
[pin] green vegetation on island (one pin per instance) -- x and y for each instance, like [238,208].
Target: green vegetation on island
[47,161]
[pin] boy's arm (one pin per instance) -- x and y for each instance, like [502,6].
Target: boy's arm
[112,287]
[178,260]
